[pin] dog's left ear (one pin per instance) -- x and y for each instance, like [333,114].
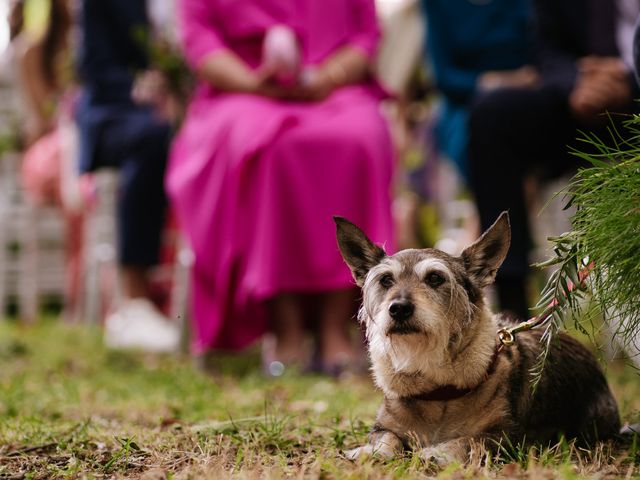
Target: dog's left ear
[360,253]
[483,258]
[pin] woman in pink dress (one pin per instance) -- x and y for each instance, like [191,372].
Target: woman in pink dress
[259,169]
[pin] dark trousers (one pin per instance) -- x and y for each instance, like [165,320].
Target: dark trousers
[137,142]
[514,133]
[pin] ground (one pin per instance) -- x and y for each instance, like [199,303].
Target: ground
[71,409]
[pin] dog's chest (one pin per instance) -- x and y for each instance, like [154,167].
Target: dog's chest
[432,422]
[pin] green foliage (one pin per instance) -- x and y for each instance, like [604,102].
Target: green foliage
[604,241]
[9,142]
[168,60]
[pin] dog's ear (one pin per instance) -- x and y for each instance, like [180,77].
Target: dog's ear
[360,253]
[483,258]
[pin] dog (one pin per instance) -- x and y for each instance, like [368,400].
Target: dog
[447,381]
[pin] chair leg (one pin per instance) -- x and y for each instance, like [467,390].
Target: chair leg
[91,288]
[3,259]
[180,289]
[101,283]
[28,289]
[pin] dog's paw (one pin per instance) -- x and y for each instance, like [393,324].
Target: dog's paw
[378,451]
[356,453]
[438,456]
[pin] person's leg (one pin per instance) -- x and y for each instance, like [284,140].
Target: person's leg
[139,146]
[510,133]
[137,143]
[135,281]
[74,254]
[142,208]
[286,315]
[338,310]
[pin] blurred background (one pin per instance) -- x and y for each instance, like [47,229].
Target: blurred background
[169,170]
[61,218]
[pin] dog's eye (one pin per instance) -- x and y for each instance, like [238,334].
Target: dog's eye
[434,279]
[386,281]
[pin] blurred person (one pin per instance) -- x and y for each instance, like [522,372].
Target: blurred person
[15,18]
[585,55]
[271,148]
[474,47]
[133,135]
[12,112]
[15,25]
[44,71]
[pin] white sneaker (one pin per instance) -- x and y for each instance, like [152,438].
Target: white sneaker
[138,324]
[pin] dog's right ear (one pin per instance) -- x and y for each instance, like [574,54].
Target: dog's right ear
[360,253]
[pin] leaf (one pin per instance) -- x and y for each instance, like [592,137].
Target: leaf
[548,263]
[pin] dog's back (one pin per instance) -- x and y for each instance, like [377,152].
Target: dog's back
[572,397]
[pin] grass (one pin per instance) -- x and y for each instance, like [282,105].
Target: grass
[71,409]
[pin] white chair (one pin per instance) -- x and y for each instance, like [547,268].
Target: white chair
[102,289]
[31,246]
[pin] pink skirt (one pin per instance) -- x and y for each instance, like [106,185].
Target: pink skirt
[256,183]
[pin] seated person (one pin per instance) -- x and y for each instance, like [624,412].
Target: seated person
[585,56]
[42,62]
[115,131]
[264,160]
[49,175]
[475,47]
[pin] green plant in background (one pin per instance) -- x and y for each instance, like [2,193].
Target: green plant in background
[8,143]
[598,262]
[168,60]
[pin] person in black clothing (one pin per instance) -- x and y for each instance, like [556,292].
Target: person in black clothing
[116,131]
[585,56]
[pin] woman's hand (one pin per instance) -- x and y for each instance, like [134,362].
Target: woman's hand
[226,72]
[262,82]
[346,66]
[315,85]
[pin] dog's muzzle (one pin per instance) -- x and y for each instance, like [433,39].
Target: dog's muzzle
[401,310]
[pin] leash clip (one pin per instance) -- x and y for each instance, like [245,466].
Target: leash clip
[506,337]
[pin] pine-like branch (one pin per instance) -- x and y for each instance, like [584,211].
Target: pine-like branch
[605,237]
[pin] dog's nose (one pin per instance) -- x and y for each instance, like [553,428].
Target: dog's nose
[401,309]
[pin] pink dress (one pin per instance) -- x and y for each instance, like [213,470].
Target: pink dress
[256,181]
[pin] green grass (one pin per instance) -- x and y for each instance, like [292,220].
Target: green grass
[71,409]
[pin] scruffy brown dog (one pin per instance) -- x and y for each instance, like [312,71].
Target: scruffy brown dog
[435,355]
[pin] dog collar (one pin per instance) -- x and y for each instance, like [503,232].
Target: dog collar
[451,392]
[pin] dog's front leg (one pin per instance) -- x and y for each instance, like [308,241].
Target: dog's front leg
[382,443]
[445,453]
